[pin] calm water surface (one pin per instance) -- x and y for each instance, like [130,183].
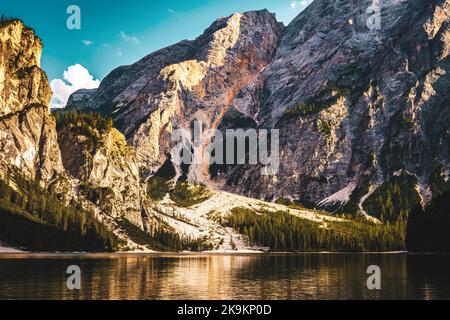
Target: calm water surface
[271,277]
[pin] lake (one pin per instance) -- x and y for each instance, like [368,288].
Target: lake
[268,277]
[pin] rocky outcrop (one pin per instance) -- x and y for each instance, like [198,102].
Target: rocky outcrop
[191,80]
[81,97]
[106,168]
[392,85]
[30,142]
[356,104]
[28,137]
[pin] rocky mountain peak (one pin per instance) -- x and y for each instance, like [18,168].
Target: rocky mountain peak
[353,101]
[353,86]
[27,131]
[22,82]
[195,79]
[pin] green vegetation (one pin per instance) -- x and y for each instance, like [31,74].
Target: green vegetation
[308,108]
[394,199]
[326,127]
[187,195]
[157,188]
[95,128]
[184,194]
[96,194]
[36,220]
[289,203]
[284,232]
[303,110]
[162,238]
[120,147]
[92,125]
[4,20]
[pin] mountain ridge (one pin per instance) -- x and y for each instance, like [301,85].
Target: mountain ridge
[361,115]
[328,60]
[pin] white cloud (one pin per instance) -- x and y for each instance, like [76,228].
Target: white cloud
[302,3]
[75,77]
[171,11]
[88,43]
[128,38]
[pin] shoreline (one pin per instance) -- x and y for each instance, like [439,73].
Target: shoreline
[113,255]
[6,250]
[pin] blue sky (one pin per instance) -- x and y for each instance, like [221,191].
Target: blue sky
[119,32]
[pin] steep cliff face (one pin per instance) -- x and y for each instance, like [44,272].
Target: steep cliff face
[98,156]
[28,137]
[355,107]
[22,82]
[191,80]
[97,172]
[359,107]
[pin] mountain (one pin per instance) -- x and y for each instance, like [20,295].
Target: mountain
[356,107]
[27,137]
[360,111]
[36,207]
[94,183]
[69,181]
[190,80]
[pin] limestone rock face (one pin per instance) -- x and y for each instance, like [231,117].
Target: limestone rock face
[28,137]
[356,102]
[30,143]
[191,80]
[379,95]
[81,97]
[22,82]
[107,172]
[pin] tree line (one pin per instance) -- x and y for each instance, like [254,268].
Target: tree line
[4,18]
[283,232]
[36,220]
[92,125]
[394,199]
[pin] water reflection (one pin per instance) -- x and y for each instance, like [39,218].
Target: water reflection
[306,276]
